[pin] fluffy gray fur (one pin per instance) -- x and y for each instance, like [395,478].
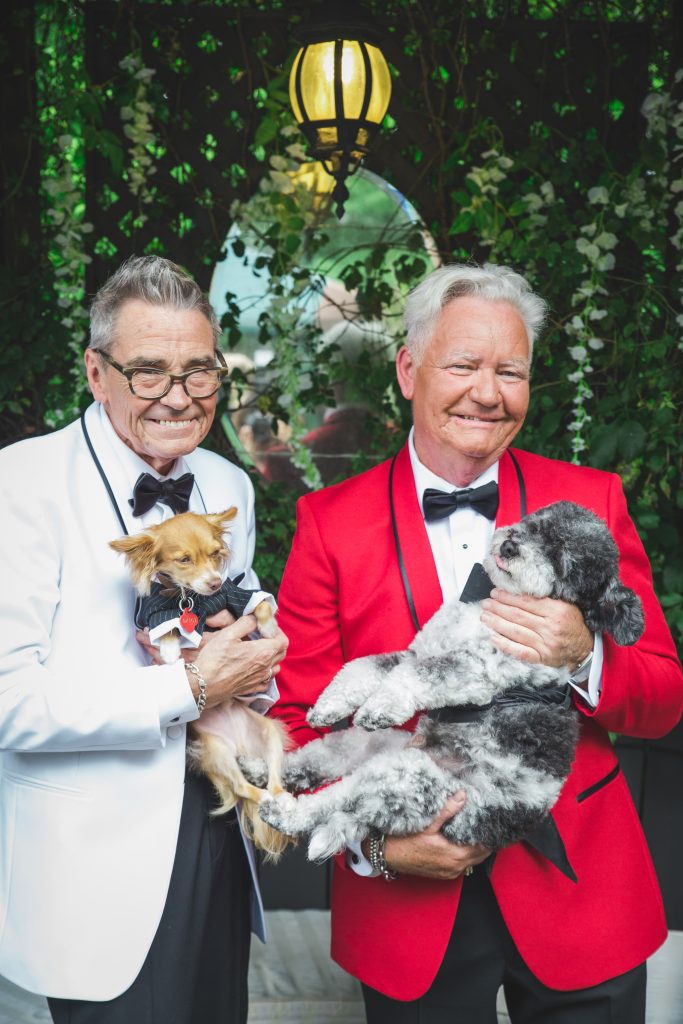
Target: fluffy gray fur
[511,761]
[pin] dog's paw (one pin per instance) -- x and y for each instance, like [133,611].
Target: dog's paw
[382,711]
[324,843]
[278,812]
[324,713]
[254,769]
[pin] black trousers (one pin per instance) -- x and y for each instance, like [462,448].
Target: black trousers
[481,957]
[196,968]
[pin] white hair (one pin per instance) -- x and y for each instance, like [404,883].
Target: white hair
[457,280]
[152,279]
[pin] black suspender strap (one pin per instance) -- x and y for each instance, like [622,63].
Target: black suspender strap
[522,488]
[399,553]
[103,475]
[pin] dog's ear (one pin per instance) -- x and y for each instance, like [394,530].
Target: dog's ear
[619,613]
[221,518]
[141,556]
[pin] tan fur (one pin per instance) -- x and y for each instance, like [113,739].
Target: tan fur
[191,550]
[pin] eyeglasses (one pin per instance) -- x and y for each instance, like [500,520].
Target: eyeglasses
[150,383]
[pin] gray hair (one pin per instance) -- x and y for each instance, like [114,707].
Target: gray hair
[457,280]
[152,279]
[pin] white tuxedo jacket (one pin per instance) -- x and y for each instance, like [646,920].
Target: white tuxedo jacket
[92,738]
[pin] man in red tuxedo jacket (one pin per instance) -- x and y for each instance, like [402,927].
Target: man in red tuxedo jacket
[436,943]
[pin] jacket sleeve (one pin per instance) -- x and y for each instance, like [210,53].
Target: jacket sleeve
[642,686]
[84,700]
[309,615]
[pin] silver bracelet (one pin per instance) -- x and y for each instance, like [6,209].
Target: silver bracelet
[377,861]
[201,683]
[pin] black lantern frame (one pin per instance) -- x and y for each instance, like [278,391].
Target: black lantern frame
[339,142]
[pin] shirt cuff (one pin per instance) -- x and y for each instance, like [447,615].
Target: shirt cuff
[256,598]
[591,673]
[176,700]
[358,862]
[262,702]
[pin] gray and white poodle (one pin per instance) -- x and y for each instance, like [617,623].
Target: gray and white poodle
[499,728]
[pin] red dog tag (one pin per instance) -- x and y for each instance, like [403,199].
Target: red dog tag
[188,620]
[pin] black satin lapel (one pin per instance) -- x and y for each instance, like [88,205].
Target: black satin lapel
[548,841]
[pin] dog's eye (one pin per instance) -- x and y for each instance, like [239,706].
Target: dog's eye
[184,559]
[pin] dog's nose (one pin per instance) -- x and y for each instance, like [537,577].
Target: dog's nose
[215,584]
[509,548]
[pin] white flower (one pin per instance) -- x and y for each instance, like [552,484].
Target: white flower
[596,343]
[606,240]
[598,194]
[296,151]
[606,262]
[578,352]
[548,192]
[278,163]
[533,201]
[587,249]
[652,103]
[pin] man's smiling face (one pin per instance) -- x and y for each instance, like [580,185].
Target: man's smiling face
[470,392]
[176,340]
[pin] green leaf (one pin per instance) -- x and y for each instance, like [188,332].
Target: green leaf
[632,437]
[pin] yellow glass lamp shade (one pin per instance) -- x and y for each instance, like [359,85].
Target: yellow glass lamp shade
[340,90]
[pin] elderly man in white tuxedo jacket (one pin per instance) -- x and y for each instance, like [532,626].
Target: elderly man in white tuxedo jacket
[121,898]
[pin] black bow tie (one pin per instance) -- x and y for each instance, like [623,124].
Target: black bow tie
[440,504]
[174,493]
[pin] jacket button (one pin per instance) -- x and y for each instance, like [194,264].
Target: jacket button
[174,732]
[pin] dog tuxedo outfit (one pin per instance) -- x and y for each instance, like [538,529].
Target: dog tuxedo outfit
[166,608]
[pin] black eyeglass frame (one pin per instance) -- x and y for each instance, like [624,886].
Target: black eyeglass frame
[174,378]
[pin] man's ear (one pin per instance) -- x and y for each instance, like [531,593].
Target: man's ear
[95,370]
[619,613]
[405,372]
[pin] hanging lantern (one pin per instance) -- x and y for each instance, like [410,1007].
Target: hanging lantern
[339,89]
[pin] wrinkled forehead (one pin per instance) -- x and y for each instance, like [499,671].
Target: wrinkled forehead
[162,335]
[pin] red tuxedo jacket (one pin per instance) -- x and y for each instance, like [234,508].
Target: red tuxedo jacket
[342,598]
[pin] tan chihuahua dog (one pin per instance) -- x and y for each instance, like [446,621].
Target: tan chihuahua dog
[177,566]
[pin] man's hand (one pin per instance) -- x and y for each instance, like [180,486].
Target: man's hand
[540,630]
[233,668]
[430,854]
